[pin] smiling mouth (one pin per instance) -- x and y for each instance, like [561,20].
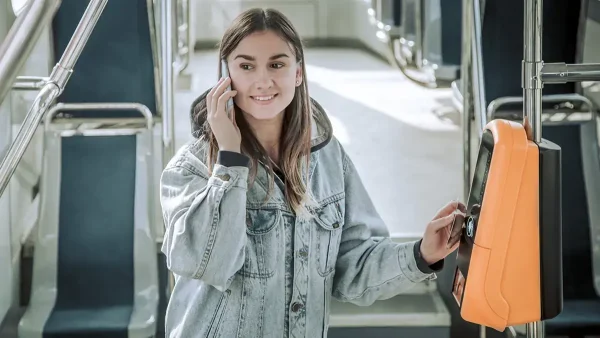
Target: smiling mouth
[264,98]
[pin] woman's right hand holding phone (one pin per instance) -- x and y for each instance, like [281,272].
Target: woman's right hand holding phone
[222,125]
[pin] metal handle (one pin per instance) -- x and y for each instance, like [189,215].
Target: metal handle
[30,82]
[50,91]
[495,105]
[61,107]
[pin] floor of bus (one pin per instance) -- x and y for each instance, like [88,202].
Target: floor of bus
[404,139]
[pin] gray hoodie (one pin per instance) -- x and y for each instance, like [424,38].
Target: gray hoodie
[247,269]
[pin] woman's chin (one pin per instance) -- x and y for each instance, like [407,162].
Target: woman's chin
[264,114]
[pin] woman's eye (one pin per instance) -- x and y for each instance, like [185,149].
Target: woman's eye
[277,65]
[246,67]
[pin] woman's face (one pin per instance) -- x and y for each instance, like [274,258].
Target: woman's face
[264,71]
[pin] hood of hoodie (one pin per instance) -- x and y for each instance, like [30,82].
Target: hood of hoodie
[321,129]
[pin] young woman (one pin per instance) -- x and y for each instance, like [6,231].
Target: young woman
[266,216]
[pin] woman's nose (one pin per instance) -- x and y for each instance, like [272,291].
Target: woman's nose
[264,80]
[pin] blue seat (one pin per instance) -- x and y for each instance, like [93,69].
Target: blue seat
[95,268]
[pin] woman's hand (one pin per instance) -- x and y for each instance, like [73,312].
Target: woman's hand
[223,127]
[437,233]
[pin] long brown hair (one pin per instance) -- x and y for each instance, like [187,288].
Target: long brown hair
[294,150]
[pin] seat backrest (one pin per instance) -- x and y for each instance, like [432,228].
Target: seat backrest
[451,31]
[117,63]
[99,209]
[577,183]
[502,44]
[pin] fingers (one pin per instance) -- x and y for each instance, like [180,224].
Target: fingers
[450,208]
[442,222]
[222,102]
[210,94]
[217,92]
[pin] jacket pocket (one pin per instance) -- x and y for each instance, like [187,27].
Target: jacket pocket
[263,248]
[215,324]
[327,236]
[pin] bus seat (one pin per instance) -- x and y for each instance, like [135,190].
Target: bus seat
[95,270]
[117,63]
[581,192]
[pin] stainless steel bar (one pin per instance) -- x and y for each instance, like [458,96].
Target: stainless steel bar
[554,98]
[562,72]
[64,68]
[532,65]
[21,38]
[418,48]
[11,159]
[61,107]
[30,83]
[466,94]
[379,10]
[183,35]
[166,28]
[49,92]
[535,330]
[477,69]
[532,92]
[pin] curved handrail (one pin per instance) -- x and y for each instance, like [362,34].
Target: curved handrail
[21,39]
[50,91]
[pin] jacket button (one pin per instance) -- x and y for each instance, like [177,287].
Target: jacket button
[303,252]
[336,225]
[296,306]
[224,177]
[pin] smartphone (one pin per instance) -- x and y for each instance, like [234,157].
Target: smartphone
[225,73]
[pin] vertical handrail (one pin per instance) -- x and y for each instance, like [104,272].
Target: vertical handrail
[21,39]
[166,30]
[168,119]
[472,81]
[50,91]
[532,67]
[477,64]
[532,94]
[466,93]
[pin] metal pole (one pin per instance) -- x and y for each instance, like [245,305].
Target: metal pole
[51,90]
[466,94]
[477,69]
[21,38]
[532,92]
[166,30]
[532,65]
[562,72]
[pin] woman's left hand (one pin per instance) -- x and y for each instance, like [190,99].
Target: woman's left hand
[434,245]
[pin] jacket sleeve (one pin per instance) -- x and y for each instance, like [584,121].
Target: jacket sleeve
[368,268]
[205,219]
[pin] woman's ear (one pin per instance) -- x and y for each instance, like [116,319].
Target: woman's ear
[299,75]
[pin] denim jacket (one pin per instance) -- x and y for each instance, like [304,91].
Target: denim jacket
[244,268]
